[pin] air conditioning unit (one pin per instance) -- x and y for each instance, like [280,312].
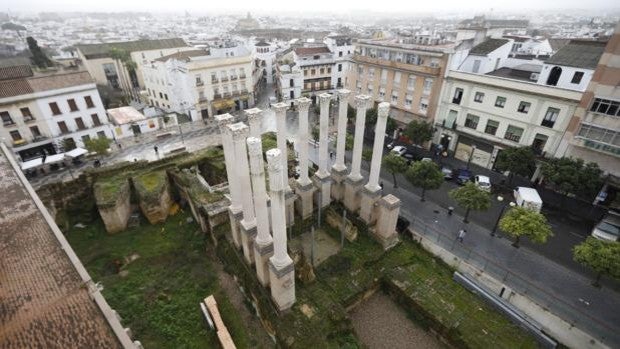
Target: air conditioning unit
[534,76]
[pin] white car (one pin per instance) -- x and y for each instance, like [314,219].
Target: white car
[608,228]
[399,149]
[483,182]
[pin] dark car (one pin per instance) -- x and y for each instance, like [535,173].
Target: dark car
[463,176]
[402,224]
[411,156]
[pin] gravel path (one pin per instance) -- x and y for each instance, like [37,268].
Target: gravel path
[380,323]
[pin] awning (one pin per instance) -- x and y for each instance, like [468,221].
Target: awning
[76,152]
[52,159]
[31,164]
[223,104]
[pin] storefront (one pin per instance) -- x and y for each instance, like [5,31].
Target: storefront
[479,152]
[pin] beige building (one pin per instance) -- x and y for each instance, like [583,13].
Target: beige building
[107,71]
[407,75]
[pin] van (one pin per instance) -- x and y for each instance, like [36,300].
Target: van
[272,101]
[528,198]
[608,228]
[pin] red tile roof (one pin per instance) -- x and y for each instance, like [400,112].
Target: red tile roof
[307,51]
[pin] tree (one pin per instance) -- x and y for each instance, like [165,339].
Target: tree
[571,176]
[367,154]
[425,175]
[470,197]
[371,119]
[98,145]
[395,164]
[601,256]
[348,142]
[520,221]
[419,131]
[520,161]
[38,56]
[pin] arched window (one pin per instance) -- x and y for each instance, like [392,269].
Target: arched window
[554,76]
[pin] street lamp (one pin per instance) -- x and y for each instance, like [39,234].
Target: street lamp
[501,213]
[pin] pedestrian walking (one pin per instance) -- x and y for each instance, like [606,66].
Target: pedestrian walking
[461,235]
[156,150]
[119,146]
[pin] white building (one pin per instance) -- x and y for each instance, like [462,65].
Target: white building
[127,121]
[266,54]
[201,83]
[342,50]
[290,81]
[44,111]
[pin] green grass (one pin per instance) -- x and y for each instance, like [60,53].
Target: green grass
[158,298]
[151,181]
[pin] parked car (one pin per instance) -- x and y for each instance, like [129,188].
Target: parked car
[399,149]
[448,172]
[390,145]
[608,228]
[427,160]
[463,176]
[483,182]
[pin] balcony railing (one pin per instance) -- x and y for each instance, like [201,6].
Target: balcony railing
[202,99]
[199,83]
[224,78]
[29,118]
[233,77]
[8,123]
[19,142]
[214,80]
[241,76]
[217,95]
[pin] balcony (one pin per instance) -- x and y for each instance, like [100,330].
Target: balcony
[214,80]
[397,65]
[19,142]
[242,76]
[8,123]
[233,77]
[199,83]
[224,78]
[217,95]
[202,99]
[28,119]
[315,89]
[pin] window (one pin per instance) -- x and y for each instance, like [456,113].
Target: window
[428,85]
[165,96]
[6,118]
[550,117]
[606,106]
[329,70]
[360,69]
[479,97]
[382,93]
[340,65]
[312,72]
[524,107]
[89,102]
[292,94]
[476,66]
[322,71]
[411,82]
[305,72]
[577,77]
[397,78]
[85,139]
[471,121]
[72,105]
[513,133]
[371,72]
[63,127]
[16,136]
[458,94]
[291,83]
[408,101]
[54,108]
[599,134]
[423,105]
[26,114]
[80,124]
[198,80]
[317,57]
[96,121]
[554,76]
[491,127]
[369,89]
[500,102]
[213,77]
[35,132]
[340,54]
[394,97]
[101,134]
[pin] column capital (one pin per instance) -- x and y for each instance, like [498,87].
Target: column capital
[303,103]
[383,109]
[275,167]
[238,131]
[344,93]
[325,98]
[255,146]
[253,113]
[224,119]
[362,101]
[279,107]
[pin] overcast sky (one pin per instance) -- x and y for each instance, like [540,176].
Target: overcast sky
[263,6]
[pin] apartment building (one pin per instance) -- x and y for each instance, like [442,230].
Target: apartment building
[100,62]
[342,49]
[408,75]
[494,101]
[265,52]
[593,133]
[290,81]
[201,83]
[42,111]
[316,64]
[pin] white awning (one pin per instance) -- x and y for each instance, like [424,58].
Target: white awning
[52,159]
[31,164]
[76,152]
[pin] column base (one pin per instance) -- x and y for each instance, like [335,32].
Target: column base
[235,217]
[290,197]
[304,201]
[262,253]
[248,233]
[338,178]
[385,229]
[367,206]
[323,183]
[352,187]
[282,281]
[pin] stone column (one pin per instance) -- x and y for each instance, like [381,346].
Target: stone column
[242,175]
[281,267]
[255,117]
[385,230]
[322,178]
[304,187]
[234,210]
[339,170]
[263,244]
[354,181]
[280,111]
[372,191]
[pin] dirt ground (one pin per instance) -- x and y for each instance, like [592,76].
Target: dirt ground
[380,323]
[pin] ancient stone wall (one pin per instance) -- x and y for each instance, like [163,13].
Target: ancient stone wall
[153,194]
[113,201]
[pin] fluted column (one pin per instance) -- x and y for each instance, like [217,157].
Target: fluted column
[280,111]
[361,103]
[303,104]
[263,244]
[255,118]
[281,268]
[234,210]
[342,130]
[325,100]
[248,223]
[377,149]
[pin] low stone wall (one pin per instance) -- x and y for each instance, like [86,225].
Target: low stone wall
[153,194]
[113,201]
